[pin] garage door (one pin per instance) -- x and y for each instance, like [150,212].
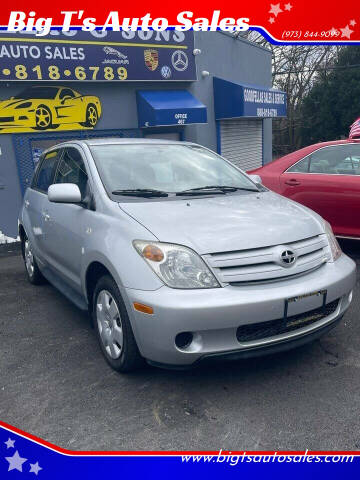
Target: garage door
[241,142]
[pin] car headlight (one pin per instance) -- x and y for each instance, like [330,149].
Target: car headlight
[175,265]
[335,250]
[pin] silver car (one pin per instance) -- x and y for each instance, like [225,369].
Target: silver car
[178,255]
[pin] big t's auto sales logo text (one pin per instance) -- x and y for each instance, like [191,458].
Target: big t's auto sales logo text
[284,21]
[20,21]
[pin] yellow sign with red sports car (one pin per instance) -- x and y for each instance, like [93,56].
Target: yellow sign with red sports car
[44,108]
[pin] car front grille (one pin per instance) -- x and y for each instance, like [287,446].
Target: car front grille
[6,119]
[259,331]
[264,265]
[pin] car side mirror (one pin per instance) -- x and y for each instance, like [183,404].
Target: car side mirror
[64,193]
[256,178]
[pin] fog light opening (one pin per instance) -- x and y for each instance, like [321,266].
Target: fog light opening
[183,340]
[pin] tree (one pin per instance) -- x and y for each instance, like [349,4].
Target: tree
[333,102]
[295,69]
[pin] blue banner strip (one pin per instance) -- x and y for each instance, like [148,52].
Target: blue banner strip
[22,457]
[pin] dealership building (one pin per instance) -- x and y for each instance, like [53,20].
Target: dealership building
[211,88]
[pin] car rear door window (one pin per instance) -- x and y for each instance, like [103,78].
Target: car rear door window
[336,160]
[300,167]
[72,169]
[45,173]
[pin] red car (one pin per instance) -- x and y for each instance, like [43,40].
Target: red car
[325,177]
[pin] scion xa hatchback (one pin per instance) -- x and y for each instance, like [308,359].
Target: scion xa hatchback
[178,255]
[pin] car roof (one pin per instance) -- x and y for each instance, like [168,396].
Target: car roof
[43,86]
[316,146]
[116,141]
[334,142]
[120,141]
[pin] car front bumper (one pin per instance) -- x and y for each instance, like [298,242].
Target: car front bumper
[214,315]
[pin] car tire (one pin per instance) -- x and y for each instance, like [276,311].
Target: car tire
[91,116]
[113,328]
[43,118]
[34,275]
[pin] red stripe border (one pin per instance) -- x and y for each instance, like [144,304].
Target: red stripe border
[86,453]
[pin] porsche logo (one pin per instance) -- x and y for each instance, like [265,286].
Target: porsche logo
[151,59]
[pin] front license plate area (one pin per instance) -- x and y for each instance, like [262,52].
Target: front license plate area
[304,303]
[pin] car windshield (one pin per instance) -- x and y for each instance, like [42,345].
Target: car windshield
[167,168]
[37,92]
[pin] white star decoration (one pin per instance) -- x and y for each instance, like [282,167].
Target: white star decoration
[288,7]
[352,22]
[271,19]
[10,443]
[346,32]
[15,462]
[275,9]
[35,468]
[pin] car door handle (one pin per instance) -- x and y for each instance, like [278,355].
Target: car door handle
[292,182]
[46,217]
[27,203]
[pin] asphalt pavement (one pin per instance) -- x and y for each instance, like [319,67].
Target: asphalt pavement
[54,383]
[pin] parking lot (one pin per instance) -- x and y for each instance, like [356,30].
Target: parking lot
[54,383]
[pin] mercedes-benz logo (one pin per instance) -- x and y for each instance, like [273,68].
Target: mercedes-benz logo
[288,258]
[179,60]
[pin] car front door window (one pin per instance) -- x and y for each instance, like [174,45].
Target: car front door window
[71,169]
[45,174]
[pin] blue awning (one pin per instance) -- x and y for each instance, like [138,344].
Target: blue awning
[234,100]
[169,107]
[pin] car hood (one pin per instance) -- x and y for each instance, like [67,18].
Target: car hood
[225,223]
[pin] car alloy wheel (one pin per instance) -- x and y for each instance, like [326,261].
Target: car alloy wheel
[91,116]
[43,117]
[109,324]
[29,258]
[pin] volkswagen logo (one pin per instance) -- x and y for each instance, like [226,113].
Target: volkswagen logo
[179,60]
[288,258]
[165,71]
